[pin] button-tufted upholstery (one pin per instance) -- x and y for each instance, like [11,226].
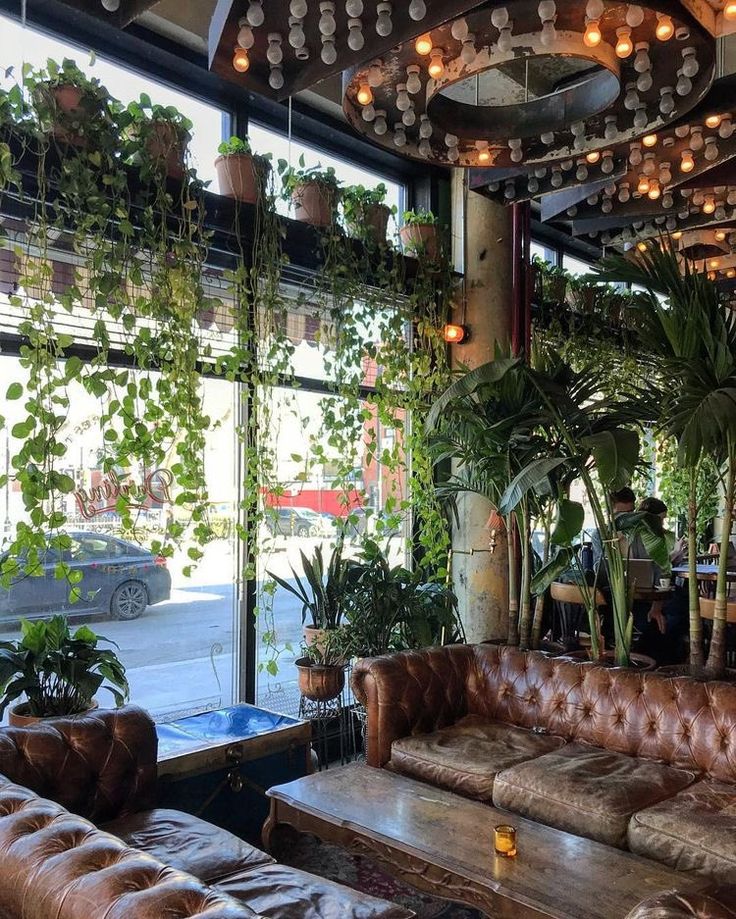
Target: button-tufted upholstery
[99,765]
[675,720]
[55,865]
[718,903]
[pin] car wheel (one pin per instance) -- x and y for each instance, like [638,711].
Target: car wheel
[129,600]
[303,530]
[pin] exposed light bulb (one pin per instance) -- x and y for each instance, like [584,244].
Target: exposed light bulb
[687,163]
[729,10]
[666,100]
[274,53]
[690,65]
[593,157]
[547,138]
[644,81]
[241,61]
[635,156]
[548,35]
[532,186]
[423,45]
[375,76]
[624,45]
[709,207]
[409,117]
[505,40]
[459,29]
[642,61]
[654,190]
[727,127]
[425,127]
[403,102]
[634,16]
[611,130]
[255,14]
[665,174]
[298,8]
[711,149]
[365,94]
[684,85]
[650,140]
[329,52]
[413,80]
[354,8]
[607,163]
[712,121]
[641,119]
[356,39]
[592,37]
[581,173]
[631,99]
[245,35]
[500,17]
[665,29]
[594,9]
[368,113]
[276,77]
[556,180]
[384,24]
[417,10]
[720,235]
[399,136]
[425,148]
[380,125]
[297,38]
[468,53]
[453,154]
[624,193]
[327,23]
[696,138]
[643,186]
[436,67]
[112,6]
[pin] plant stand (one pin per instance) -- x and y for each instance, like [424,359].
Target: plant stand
[337,729]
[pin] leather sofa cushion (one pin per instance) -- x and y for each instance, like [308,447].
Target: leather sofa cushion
[279,892]
[586,790]
[716,903]
[694,831]
[187,843]
[466,757]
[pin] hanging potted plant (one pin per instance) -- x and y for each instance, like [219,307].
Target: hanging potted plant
[66,100]
[159,136]
[58,672]
[420,234]
[240,174]
[325,593]
[313,192]
[322,667]
[365,213]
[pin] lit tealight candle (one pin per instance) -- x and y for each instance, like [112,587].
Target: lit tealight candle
[504,840]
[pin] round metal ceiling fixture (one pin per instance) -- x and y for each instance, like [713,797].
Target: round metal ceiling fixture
[533,82]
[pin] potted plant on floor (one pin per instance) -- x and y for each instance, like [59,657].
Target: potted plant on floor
[240,173]
[325,593]
[58,671]
[313,192]
[420,234]
[322,667]
[159,136]
[365,213]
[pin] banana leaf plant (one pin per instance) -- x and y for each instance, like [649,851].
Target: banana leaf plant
[692,331]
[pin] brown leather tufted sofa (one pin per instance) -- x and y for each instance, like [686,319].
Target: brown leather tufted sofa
[642,761]
[139,862]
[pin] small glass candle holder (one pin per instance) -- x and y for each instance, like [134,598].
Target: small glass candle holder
[504,840]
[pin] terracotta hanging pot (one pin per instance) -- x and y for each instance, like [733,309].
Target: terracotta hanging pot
[164,144]
[373,224]
[314,203]
[319,683]
[239,176]
[420,239]
[68,98]
[69,104]
[18,717]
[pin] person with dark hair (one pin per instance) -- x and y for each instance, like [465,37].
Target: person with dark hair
[622,502]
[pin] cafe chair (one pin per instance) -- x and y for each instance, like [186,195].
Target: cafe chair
[569,619]
[707,612]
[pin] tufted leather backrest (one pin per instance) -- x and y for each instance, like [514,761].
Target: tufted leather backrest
[55,865]
[684,722]
[101,765]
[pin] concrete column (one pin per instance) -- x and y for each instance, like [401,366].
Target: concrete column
[484,245]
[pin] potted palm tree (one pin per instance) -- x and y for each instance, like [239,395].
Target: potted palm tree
[58,672]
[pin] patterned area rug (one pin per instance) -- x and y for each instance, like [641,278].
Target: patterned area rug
[328,861]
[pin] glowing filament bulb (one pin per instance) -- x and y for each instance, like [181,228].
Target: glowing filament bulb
[712,121]
[643,186]
[624,45]
[365,94]
[654,190]
[665,28]
[650,140]
[593,157]
[241,61]
[593,36]
[709,206]
[729,10]
[642,246]
[436,67]
[424,45]
[720,236]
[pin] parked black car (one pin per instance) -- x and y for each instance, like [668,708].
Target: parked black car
[120,578]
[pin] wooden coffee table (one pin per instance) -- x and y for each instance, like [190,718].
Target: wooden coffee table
[442,844]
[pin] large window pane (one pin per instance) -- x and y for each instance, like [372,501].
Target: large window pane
[175,633]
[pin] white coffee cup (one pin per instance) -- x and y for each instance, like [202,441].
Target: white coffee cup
[665,583]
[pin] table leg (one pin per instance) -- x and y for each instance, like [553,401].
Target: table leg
[269,825]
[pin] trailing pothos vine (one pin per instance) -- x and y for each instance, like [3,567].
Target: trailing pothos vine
[109,186]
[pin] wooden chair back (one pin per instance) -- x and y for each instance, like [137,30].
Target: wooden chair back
[708,607]
[571,593]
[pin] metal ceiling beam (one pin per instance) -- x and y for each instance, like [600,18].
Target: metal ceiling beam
[128,12]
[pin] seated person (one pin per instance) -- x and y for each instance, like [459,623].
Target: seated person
[622,502]
[662,625]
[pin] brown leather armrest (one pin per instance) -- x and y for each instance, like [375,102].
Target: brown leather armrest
[55,865]
[413,692]
[99,766]
[713,903]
